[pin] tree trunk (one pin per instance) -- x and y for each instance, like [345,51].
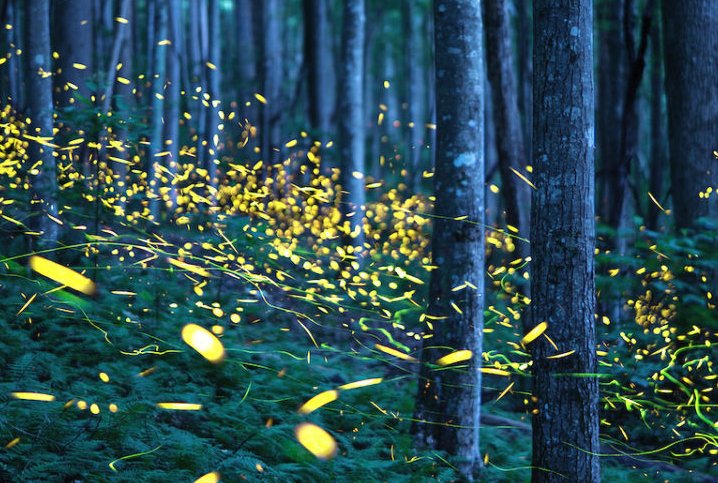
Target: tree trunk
[351,123]
[124,103]
[658,135]
[450,400]
[15,61]
[246,71]
[318,59]
[690,43]
[213,88]
[72,40]
[38,84]
[524,42]
[415,90]
[509,138]
[271,74]
[565,421]
[611,88]
[155,173]
[172,100]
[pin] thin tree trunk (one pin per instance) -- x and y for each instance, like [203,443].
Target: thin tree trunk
[38,83]
[351,125]
[415,91]
[154,160]
[72,40]
[213,74]
[658,134]
[124,103]
[565,421]
[509,138]
[271,76]
[318,64]
[172,99]
[448,403]
[690,43]
[14,62]
[246,62]
[524,43]
[611,93]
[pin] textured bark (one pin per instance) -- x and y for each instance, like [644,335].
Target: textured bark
[565,424]
[72,40]
[317,54]
[509,138]
[690,36]
[39,109]
[155,175]
[351,125]
[450,400]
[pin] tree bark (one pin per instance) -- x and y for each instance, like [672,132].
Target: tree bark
[565,421]
[690,43]
[351,125]
[415,90]
[509,138]
[38,83]
[449,401]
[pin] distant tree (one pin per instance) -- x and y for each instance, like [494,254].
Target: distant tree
[690,43]
[73,37]
[448,402]
[270,69]
[213,74]
[318,59]
[565,422]
[351,122]
[38,84]
[155,174]
[509,136]
[174,57]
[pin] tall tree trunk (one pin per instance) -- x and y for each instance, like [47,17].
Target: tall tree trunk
[415,90]
[155,174]
[213,74]
[172,99]
[38,83]
[318,59]
[72,40]
[124,103]
[658,143]
[14,62]
[271,74]
[246,71]
[690,43]
[450,400]
[565,422]
[524,42]
[612,65]
[351,124]
[509,138]
[628,148]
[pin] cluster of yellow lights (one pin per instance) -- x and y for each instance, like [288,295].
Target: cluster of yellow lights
[204,342]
